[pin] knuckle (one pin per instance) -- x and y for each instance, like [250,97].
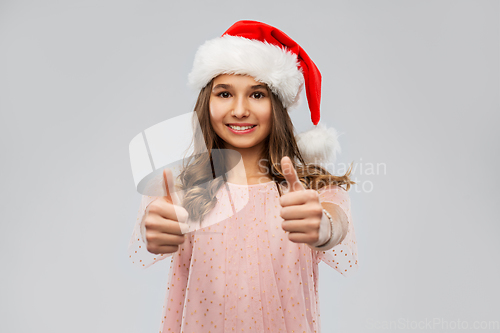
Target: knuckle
[315,210]
[315,237]
[182,239]
[312,195]
[284,226]
[314,225]
[171,248]
[154,208]
[149,223]
[152,248]
[150,237]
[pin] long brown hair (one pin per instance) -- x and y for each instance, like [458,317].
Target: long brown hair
[200,168]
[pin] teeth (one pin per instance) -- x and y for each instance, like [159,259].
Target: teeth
[238,128]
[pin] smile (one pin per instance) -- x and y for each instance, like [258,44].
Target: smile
[241,129]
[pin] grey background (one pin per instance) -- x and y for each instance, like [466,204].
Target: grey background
[413,85]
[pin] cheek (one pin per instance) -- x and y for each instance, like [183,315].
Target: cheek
[215,114]
[266,115]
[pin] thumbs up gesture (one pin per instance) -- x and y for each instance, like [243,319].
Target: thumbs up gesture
[163,224]
[301,208]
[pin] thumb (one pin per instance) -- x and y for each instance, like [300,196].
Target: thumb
[171,195]
[168,180]
[290,174]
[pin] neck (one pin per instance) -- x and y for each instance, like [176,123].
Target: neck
[249,167]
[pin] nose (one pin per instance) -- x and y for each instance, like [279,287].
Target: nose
[240,107]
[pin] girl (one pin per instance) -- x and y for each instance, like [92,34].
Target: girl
[257,269]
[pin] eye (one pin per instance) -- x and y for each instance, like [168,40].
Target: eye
[224,94]
[258,95]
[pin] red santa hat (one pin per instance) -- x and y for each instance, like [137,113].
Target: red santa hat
[270,56]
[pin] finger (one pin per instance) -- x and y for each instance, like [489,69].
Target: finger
[299,237]
[295,226]
[167,211]
[294,212]
[298,231]
[164,239]
[166,249]
[171,196]
[293,199]
[290,174]
[170,226]
[168,180]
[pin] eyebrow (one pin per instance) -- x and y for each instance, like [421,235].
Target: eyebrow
[228,86]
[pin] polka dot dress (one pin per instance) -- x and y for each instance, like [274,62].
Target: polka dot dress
[238,272]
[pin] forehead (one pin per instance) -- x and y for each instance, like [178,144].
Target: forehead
[236,79]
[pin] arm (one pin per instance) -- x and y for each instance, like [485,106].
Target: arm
[137,249]
[340,252]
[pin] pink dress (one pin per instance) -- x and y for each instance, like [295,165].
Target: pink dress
[242,274]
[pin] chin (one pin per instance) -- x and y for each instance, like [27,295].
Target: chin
[243,145]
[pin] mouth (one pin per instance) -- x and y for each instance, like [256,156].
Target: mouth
[241,129]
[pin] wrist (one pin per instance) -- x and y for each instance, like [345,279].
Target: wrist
[325,229]
[337,231]
[328,217]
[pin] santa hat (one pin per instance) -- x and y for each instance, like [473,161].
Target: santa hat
[270,56]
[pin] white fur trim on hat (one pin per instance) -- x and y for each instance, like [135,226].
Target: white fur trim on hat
[319,144]
[267,63]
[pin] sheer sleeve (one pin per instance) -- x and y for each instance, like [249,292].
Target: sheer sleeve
[343,257]
[137,250]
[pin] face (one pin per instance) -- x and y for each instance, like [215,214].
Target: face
[240,101]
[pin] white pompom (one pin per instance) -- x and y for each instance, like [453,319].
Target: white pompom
[319,144]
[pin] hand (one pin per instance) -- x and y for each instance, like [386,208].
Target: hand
[162,220]
[301,208]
